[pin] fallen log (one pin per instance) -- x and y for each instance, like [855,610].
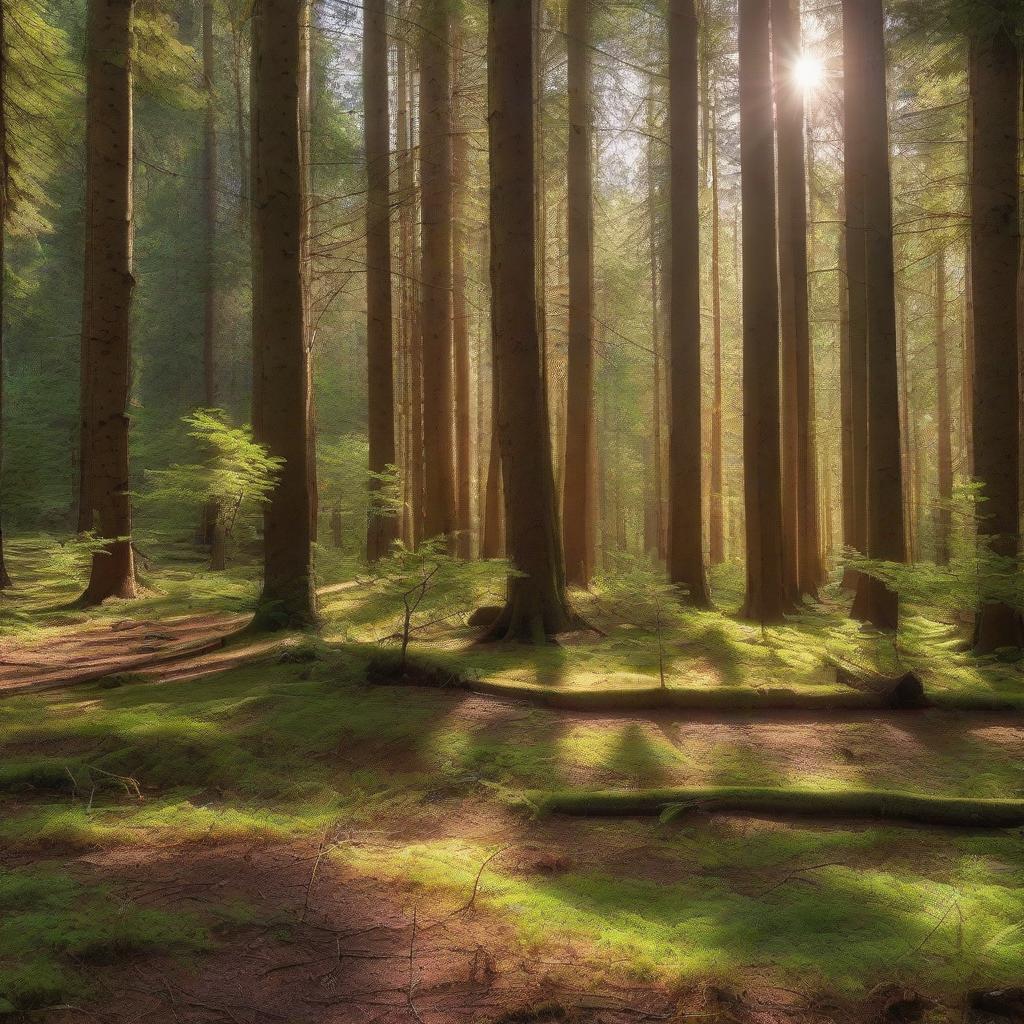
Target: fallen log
[864,804]
[898,691]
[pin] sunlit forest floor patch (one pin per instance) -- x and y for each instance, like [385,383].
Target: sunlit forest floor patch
[283,837]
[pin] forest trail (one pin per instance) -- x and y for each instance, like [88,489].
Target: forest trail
[174,648]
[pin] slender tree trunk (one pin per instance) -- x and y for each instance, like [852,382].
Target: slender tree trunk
[656,544]
[800,505]
[5,579]
[848,462]
[686,469]
[537,605]
[460,312]
[908,444]
[404,202]
[236,81]
[944,448]
[766,596]
[856,275]
[995,262]
[279,331]
[382,524]
[578,496]
[886,539]
[436,275]
[106,330]
[717,538]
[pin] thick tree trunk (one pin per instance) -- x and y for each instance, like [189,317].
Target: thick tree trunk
[537,605]
[436,273]
[686,457]
[382,524]
[766,597]
[803,557]
[995,263]
[717,517]
[855,384]
[460,313]
[279,331]
[886,539]
[578,509]
[943,519]
[106,328]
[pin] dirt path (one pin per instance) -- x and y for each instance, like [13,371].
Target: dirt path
[129,645]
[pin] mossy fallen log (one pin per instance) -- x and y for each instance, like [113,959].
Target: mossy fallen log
[872,804]
[897,691]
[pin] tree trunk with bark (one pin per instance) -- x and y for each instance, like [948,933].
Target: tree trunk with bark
[536,607]
[280,345]
[944,448]
[766,596]
[106,327]
[686,458]
[5,578]
[799,470]
[382,524]
[886,538]
[436,272]
[578,497]
[994,72]
[717,516]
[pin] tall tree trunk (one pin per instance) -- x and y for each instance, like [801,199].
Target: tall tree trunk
[279,331]
[856,277]
[537,605]
[766,596]
[848,463]
[686,470]
[460,312]
[908,443]
[656,544]
[886,539]
[578,495]
[382,524]
[717,524]
[405,202]
[106,328]
[5,579]
[995,262]
[436,274]
[944,448]
[236,81]
[800,505]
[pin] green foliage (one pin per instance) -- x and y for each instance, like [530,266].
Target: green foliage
[71,558]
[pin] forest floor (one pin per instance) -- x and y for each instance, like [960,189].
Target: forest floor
[253,832]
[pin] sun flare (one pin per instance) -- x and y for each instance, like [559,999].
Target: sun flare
[809,73]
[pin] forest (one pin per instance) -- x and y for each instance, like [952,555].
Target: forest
[510,511]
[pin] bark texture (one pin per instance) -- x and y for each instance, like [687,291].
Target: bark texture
[886,538]
[686,457]
[578,496]
[5,578]
[762,474]
[536,607]
[106,325]
[382,524]
[995,262]
[942,414]
[279,330]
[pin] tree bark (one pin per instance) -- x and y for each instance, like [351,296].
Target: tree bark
[5,578]
[279,331]
[656,543]
[436,274]
[460,312]
[382,524]
[944,447]
[106,328]
[803,557]
[994,72]
[717,524]
[686,462]
[855,384]
[766,597]
[536,607]
[886,538]
[578,494]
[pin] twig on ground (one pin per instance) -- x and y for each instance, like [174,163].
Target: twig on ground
[412,980]
[798,872]
[312,875]
[471,903]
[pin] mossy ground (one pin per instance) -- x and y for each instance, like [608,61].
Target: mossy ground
[302,748]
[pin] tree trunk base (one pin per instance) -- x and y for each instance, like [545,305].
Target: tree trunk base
[876,604]
[997,626]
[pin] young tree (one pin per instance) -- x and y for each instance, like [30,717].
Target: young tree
[800,499]
[578,496]
[766,597]
[281,394]
[382,529]
[536,606]
[686,456]
[106,307]
[995,262]
[886,539]
[436,267]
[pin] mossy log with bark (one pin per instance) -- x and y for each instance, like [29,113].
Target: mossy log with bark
[904,690]
[869,804]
